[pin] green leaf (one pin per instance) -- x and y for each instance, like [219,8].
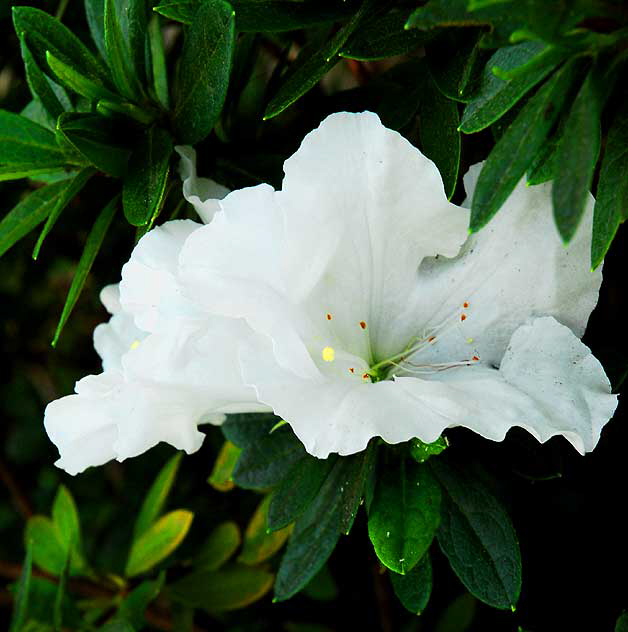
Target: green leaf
[157,495]
[74,188]
[415,587]
[478,538]
[92,246]
[20,608]
[266,462]
[118,625]
[29,212]
[226,589]
[60,596]
[221,477]
[259,545]
[49,552]
[458,615]
[381,37]
[125,28]
[421,451]
[92,137]
[516,149]
[45,33]
[134,605]
[203,76]
[622,623]
[159,72]
[158,541]
[295,492]
[145,182]
[313,62]
[496,96]
[95,12]
[221,544]
[576,157]
[543,166]
[246,429]
[260,16]
[438,131]
[404,514]
[66,518]
[26,148]
[611,203]
[330,514]
[40,85]
[74,80]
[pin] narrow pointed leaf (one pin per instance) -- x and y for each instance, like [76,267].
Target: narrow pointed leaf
[20,608]
[576,157]
[147,176]
[159,72]
[95,12]
[92,246]
[203,76]
[219,547]
[221,477]
[157,495]
[415,587]
[517,147]
[73,189]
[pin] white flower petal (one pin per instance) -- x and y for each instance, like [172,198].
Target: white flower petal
[115,338]
[516,267]
[110,298]
[150,289]
[202,193]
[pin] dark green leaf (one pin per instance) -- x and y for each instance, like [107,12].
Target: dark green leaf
[611,204]
[576,157]
[74,80]
[118,625]
[92,137]
[92,246]
[203,76]
[496,96]
[458,615]
[414,588]
[95,12]
[478,538]
[543,166]
[301,484]
[75,185]
[158,541]
[46,34]
[404,514]
[219,547]
[226,589]
[145,182]
[421,451]
[57,615]
[267,461]
[381,37]
[158,68]
[157,495]
[313,62]
[516,149]
[622,623]
[39,84]
[26,148]
[246,429]
[134,605]
[438,131]
[20,608]
[30,212]
[330,514]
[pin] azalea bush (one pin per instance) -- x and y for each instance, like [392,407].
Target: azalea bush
[353,274]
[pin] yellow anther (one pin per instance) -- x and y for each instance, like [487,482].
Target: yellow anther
[329,354]
[134,345]
[469,341]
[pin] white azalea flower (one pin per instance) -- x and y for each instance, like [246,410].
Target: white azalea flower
[379,316]
[167,367]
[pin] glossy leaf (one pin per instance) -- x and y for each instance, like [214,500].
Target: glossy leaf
[496,96]
[95,13]
[157,495]
[611,203]
[22,593]
[203,77]
[576,157]
[478,538]
[158,68]
[227,589]
[415,587]
[259,545]
[404,514]
[92,246]
[219,547]
[293,495]
[29,212]
[221,477]
[145,182]
[329,515]
[158,541]
[73,188]
[515,150]
[312,64]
